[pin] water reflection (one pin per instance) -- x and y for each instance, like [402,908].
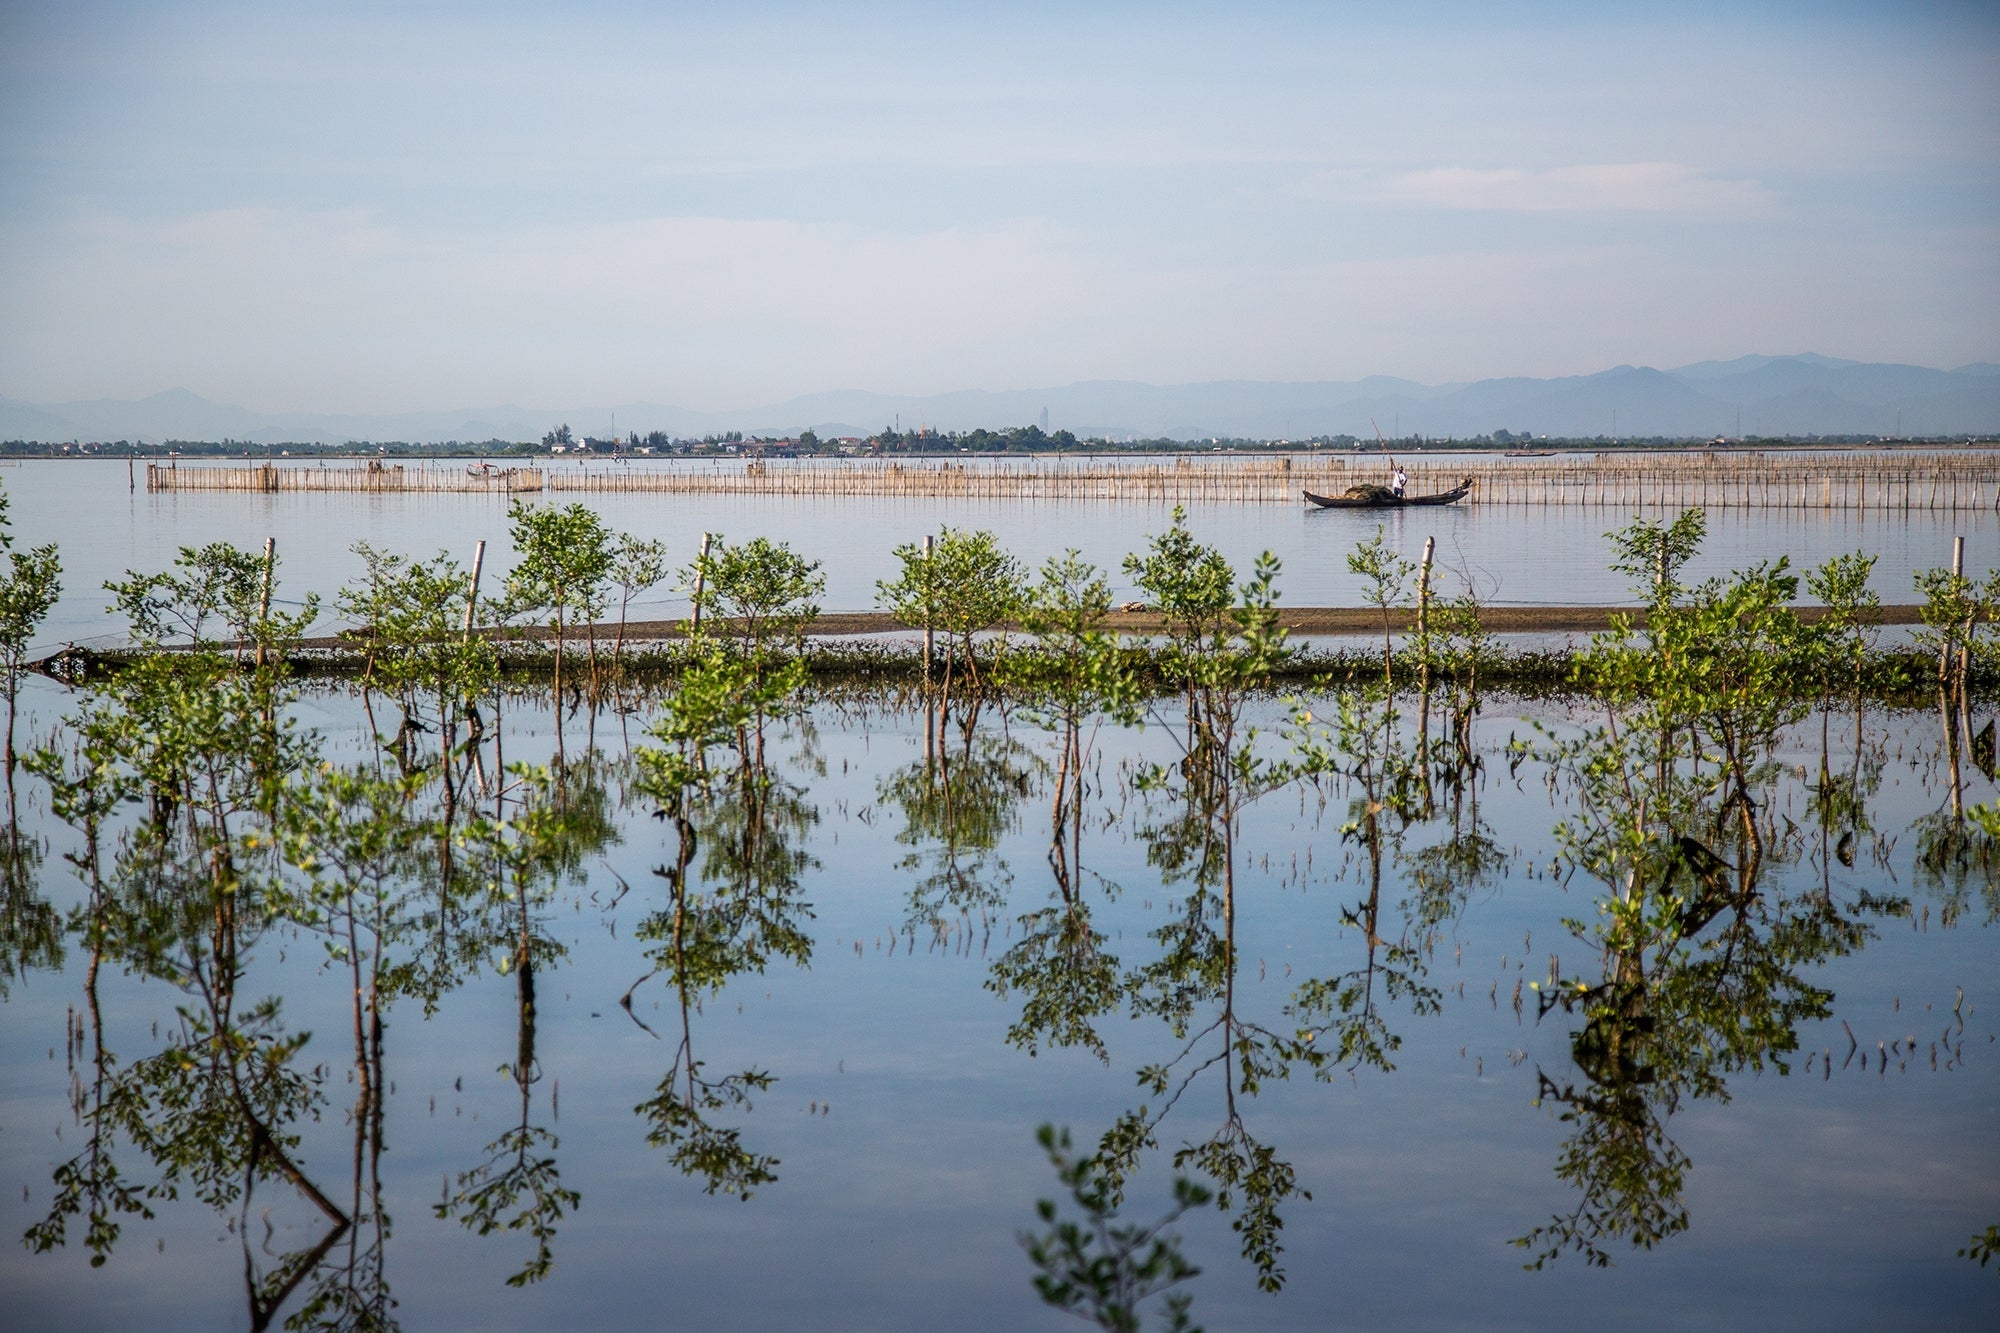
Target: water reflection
[1675,799]
[186,897]
[203,873]
[31,931]
[746,824]
[959,801]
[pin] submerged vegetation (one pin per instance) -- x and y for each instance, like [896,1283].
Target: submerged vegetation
[208,827]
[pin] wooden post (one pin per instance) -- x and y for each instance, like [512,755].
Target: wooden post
[700,582]
[472,591]
[1424,590]
[927,612]
[1965,637]
[264,599]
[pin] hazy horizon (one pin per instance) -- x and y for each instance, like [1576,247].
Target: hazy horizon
[379,209]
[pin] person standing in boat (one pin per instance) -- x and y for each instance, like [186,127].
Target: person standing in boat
[1400,480]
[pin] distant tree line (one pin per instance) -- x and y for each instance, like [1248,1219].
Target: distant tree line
[891,441]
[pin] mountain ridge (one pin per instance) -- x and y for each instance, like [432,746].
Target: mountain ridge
[1795,395]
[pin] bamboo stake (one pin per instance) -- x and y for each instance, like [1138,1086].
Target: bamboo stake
[264,598]
[700,581]
[472,591]
[1965,631]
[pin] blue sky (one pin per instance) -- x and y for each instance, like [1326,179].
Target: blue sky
[372,207]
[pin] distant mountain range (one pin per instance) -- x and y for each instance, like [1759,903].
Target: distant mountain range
[1751,396]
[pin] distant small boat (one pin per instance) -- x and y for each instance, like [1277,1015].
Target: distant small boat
[1381,497]
[484,470]
[1528,453]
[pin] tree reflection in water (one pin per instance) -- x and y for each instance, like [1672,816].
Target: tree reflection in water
[958,802]
[1673,811]
[1223,642]
[1072,679]
[747,826]
[31,930]
[185,896]
[522,856]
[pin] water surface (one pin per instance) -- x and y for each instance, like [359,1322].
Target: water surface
[897,1127]
[1516,555]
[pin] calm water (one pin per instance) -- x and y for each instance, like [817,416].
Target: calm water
[899,1118]
[1827,1183]
[1511,555]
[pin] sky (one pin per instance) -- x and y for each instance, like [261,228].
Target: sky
[389,207]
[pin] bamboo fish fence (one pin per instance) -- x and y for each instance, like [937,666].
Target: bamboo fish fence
[1900,481]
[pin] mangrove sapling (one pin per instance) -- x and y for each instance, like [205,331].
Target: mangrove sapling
[963,585]
[1838,647]
[1072,673]
[1193,587]
[765,595]
[29,589]
[1222,770]
[563,559]
[1385,576]
[637,564]
[1461,653]
[1745,649]
[412,618]
[1713,674]
[1653,554]
[1668,809]
[1951,610]
[214,584]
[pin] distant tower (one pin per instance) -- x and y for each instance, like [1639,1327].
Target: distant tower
[1045,421]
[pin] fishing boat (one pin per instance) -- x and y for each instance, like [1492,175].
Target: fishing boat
[1381,497]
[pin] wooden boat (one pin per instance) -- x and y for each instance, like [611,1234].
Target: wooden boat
[1381,497]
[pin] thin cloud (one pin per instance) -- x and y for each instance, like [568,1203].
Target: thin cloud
[1615,187]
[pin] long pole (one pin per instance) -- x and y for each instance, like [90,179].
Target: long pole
[1964,641]
[700,581]
[1424,590]
[264,599]
[472,589]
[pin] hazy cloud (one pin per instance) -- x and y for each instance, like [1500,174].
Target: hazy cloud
[1615,187]
[380,207]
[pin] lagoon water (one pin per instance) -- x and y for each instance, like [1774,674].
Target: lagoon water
[1508,555]
[889,1154]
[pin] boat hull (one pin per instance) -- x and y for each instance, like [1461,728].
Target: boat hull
[1381,499]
